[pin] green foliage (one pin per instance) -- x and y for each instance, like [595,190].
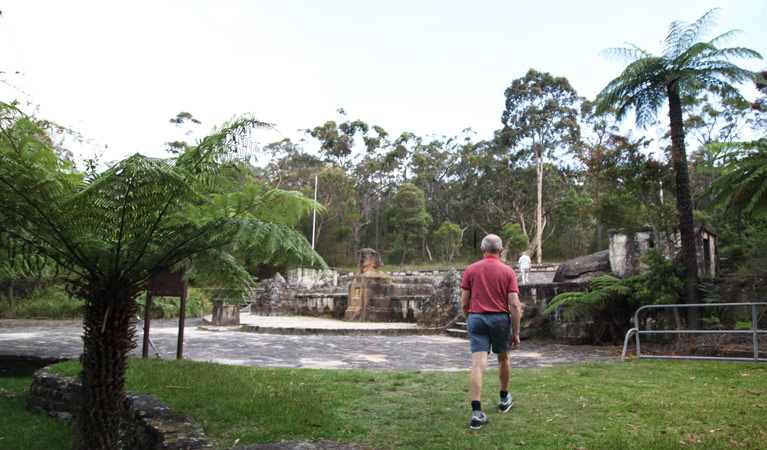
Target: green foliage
[514,238]
[687,64]
[111,232]
[448,239]
[574,223]
[742,188]
[197,305]
[581,305]
[608,302]
[407,216]
[540,118]
[612,301]
[662,284]
[52,302]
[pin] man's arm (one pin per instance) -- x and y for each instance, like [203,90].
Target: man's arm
[465,299]
[516,318]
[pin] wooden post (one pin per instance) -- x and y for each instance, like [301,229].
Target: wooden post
[165,283]
[181,319]
[147,318]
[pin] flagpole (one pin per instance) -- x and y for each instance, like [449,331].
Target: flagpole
[314,214]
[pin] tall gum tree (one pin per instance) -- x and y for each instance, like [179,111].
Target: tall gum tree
[649,81]
[540,118]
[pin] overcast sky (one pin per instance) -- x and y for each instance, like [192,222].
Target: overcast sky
[117,72]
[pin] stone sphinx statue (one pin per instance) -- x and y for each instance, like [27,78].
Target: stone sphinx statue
[369,291]
[368,260]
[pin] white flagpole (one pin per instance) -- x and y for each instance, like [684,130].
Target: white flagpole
[314,215]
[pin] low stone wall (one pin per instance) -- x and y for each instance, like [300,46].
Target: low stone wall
[320,304]
[407,307]
[24,365]
[429,298]
[147,423]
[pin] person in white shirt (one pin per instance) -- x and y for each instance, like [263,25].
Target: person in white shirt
[524,266]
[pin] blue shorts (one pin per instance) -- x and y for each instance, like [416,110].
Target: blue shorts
[490,329]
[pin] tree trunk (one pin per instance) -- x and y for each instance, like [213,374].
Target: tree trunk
[684,205]
[599,225]
[377,202]
[404,250]
[108,337]
[539,212]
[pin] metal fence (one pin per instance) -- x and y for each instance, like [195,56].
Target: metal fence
[754,331]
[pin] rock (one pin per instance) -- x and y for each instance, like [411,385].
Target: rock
[584,268]
[275,300]
[445,302]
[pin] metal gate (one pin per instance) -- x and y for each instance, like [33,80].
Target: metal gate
[753,331]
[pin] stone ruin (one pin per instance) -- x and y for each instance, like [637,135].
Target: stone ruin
[370,291]
[370,295]
[432,298]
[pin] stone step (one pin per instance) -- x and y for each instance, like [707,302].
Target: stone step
[461,324]
[455,332]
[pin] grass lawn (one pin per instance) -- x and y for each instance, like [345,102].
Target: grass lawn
[21,429]
[637,404]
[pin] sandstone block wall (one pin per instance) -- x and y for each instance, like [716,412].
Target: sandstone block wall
[147,423]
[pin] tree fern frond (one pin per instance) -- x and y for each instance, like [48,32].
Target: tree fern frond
[562,300]
[681,35]
[603,282]
[622,54]
[725,37]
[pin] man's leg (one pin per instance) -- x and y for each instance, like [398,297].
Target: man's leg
[504,370]
[504,374]
[478,366]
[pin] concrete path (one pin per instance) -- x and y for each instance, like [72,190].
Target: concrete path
[62,339]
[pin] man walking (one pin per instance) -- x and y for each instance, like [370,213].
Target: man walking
[524,266]
[489,293]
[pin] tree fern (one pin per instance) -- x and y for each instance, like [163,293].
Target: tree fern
[117,228]
[743,185]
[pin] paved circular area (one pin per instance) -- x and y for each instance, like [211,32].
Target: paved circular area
[62,339]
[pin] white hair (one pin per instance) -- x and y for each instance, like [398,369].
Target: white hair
[492,243]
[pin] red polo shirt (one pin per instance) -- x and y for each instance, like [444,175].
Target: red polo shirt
[490,282]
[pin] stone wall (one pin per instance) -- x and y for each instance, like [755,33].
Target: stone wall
[430,300]
[444,304]
[321,303]
[147,423]
[535,299]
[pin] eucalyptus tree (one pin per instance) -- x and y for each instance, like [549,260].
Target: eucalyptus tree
[408,216]
[337,140]
[648,82]
[591,151]
[434,169]
[181,118]
[448,240]
[112,231]
[540,118]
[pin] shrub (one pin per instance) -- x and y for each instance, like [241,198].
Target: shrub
[50,302]
[197,305]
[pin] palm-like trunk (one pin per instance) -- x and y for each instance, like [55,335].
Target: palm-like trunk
[108,337]
[684,204]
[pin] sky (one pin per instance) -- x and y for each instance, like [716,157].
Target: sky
[116,72]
